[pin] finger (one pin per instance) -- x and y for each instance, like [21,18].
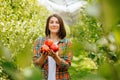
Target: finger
[50,52]
[46,53]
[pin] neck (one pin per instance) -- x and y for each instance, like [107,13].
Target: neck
[54,37]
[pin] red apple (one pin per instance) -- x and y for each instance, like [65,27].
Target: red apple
[54,47]
[45,48]
[48,42]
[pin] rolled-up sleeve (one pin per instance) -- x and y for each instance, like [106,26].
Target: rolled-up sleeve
[67,57]
[36,50]
[66,62]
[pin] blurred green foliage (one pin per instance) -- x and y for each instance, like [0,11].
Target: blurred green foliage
[21,22]
[95,37]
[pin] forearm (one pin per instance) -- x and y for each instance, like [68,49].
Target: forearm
[40,60]
[61,62]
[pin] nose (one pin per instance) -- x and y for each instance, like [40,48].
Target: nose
[54,24]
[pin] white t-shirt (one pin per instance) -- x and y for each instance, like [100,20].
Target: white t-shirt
[52,67]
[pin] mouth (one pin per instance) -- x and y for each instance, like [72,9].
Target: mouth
[54,28]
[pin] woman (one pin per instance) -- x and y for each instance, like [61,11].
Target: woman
[54,65]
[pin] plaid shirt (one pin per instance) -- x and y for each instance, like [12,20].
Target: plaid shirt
[64,52]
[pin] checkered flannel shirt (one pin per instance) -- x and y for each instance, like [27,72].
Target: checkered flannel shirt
[62,69]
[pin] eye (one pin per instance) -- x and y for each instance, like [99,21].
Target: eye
[57,22]
[51,22]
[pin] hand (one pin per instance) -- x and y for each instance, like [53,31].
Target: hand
[43,53]
[52,53]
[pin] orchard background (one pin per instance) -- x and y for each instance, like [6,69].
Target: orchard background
[96,40]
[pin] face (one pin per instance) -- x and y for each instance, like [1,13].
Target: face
[54,25]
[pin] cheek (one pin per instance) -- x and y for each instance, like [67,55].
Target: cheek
[58,29]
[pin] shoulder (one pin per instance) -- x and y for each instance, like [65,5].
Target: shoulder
[39,39]
[66,41]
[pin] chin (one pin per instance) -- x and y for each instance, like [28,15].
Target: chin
[54,32]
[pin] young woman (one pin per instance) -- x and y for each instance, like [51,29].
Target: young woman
[54,65]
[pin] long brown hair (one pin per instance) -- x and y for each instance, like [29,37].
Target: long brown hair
[62,31]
